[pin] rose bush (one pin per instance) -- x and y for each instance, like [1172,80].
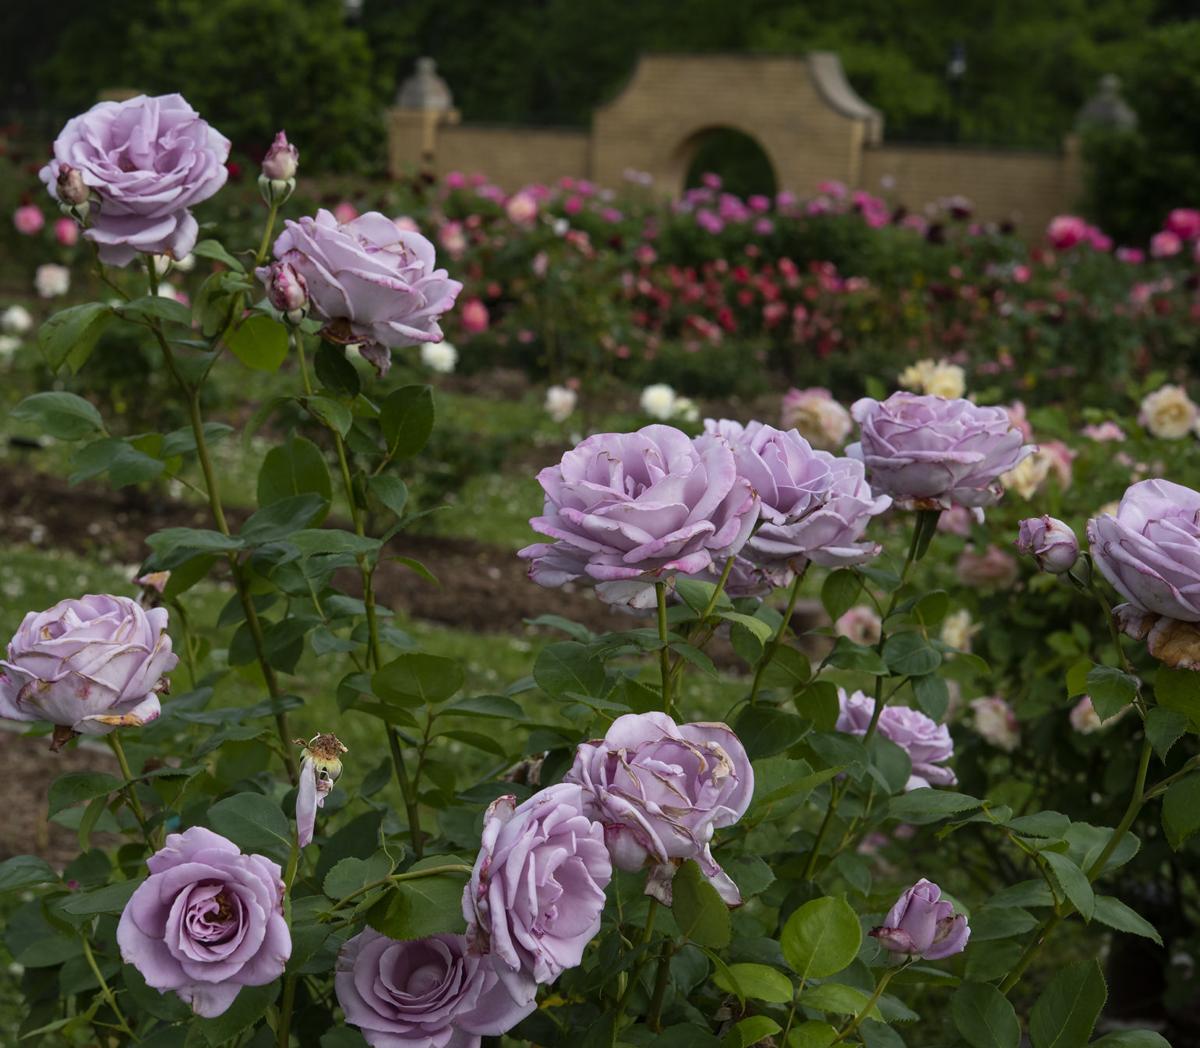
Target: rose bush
[668,828]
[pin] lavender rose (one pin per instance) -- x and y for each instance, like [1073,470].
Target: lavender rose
[628,509]
[1050,542]
[661,789]
[927,743]
[1150,551]
[431,992]
[370,281]
[930,453]
[88,666]
[923,924]
[147,160]
[537,891]
[206,922]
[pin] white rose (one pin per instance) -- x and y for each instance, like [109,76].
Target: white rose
[439,356]
[1029,474]
[9,344]
[1168,413]
[16,320]
[658,401]
[996,723]
[50,280]
[685,410]
[946,380]
[560,402]
[916,375]
[958,629]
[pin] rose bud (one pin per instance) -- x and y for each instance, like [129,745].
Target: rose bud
[287,291]
[282,159]
[1050,542]
[72,190]
[320,768]
[922,924]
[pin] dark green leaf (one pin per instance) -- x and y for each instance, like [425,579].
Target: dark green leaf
[156,307]
[1111,690]
[984,1016]
[821,938]
[929,805]
[910,655]
[391,491]
[847,655]
[568,666]
[335,372]
[332,413]
[76,787]
[1117,915]
[61,415]
[254,823]
[1179,690]
[349,875]
[417,908]
[1181,810]
[757,982]
[70,335]
[213,249]
[1164,728]
[839,592]
[766,730]
[248,1008]
[406,417]
[25,871]
[1066,1011]
[109,898]
[428,679]
[1073,882]
[699,911]
[259,342]
[296,467]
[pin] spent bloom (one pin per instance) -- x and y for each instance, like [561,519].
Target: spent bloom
[628,509]
[371,283]
[660,789]
[1168,413]
[927,743]
[994,720]
[1050,542]
[320,768]
[560,402]
[441,357]
[817,417]
[147,161]
[434,992]
[923,924]
[87,665]
[207,921]
[1149,549]
[930,453]
[537,890]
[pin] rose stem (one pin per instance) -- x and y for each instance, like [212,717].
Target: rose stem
[777,640]
[664,652]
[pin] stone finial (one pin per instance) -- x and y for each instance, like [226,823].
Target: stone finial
[1106,110]
[425,91]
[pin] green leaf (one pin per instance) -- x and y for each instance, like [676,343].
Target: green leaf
[910,655]
[929,805]
[696,594]
[984,1016]
[932,695]
[699,911]
[1179,690]
[1111,690]
[279,520]
[821,938]
[750,1031]
[391,491]
[1077,677]
[761,631]
[71,334]
[1181,810]
[25,871]
[812,1034]
[213,249]
[259,342]
[1067,1010]
[767,730]
[349,875]
[415,676]
[1073,882]
[61,415]
[498,706]
[109,898]
[751,874]
[76,787]
[417,908]
[838,999]
[335,372]
[757,982]
[839,592]
[254,823]
[847,655]
[124,463]
[175,546]
[248,1008]
[296,467]
[1132,1039]
[1117,915]
[314,541]
[182,441]
[1164,728]
[789,668]
[406,418]
[332,413]
[566,667]
[155,307]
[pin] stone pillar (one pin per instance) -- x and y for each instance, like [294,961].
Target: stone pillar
[423,103]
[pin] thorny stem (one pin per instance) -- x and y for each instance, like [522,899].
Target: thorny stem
[664,652]
[135,805]
[775,642]
[411,805]
[192,397]
[654,1015]
[854,1023]
[285,1011]
[395,878]
[636,974]
[105,989]
[1043,931]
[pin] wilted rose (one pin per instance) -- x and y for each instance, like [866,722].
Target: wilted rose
[88,666]
[660,790]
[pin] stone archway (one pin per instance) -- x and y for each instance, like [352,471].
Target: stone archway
[742,162]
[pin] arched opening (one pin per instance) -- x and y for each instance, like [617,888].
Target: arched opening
[741,162]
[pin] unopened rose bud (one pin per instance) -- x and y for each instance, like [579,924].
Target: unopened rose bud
[1050,542]
[923,924]
[71,187]
[282,159]
[287,290]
